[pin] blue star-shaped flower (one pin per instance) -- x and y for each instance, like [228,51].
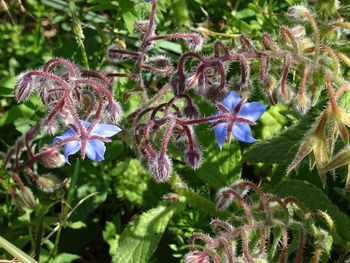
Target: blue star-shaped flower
[238,116]
[92,146]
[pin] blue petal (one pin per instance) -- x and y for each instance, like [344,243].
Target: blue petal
[148,1]
[220,132]
[85,124]
[71,148]
[95,150]
[252,111]
[231,100]
[242,132]
[67,134]
[105,130]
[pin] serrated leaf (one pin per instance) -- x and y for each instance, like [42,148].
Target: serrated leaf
[283,147]
[313,198]
[140,239]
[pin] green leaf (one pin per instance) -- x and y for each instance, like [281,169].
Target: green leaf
[140,239]
[281,148]
[313,198]
[111,237]
[127,8]
[219,168]
[77,225]
[272,121]
[136,185]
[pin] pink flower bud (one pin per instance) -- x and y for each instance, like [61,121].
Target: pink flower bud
[193,158]
[178,83]
[197,257]
[194,43]
[160,168]
[23,87]
[112,112]
[51,159]
[50,127]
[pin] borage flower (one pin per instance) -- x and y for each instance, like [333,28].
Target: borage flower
[90,141]
[239,115]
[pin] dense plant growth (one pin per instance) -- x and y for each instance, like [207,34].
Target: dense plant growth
[253,98]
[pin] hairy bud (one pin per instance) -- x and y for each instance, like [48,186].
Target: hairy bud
[240,189]
[52,159]
[178,83]
[297,13]
[193,158]
[23,198]
[112,112]
[214,95]
[160,168]
[49,183]
[23,87]
[50,127]
[190,111]
[298,32]
[197,257]
[194,43]
[302,104]
[224,198]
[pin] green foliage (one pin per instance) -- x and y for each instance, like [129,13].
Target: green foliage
[115,209]
[139,240]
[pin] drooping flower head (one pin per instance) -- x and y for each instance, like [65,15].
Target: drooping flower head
[237,116]
[91,144]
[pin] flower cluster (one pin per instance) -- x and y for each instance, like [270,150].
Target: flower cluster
[271,224]
[80,99]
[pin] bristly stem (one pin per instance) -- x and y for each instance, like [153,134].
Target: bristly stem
[78,33]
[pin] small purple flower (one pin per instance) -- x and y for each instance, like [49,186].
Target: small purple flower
[92,144]
[239,115]
[148,1]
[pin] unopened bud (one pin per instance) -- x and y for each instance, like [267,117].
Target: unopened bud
[240,188]
[194,43]
[51,159]
[224,198]
[24,198]
[23,87]
[112,112]
[298,32]
[190,111]
[306,45]
[302,104]
[49,183]
[214,95]
[193,157]
[50,127]
[197,257]
[160,168]
[297,13]
[286,95]
[178,83]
